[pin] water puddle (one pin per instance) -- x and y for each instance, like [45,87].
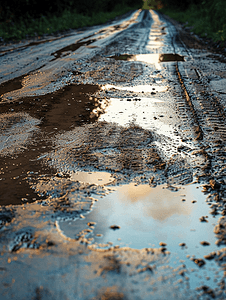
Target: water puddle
[21,142]
[73,47]
[64,109]
[155,59]
[11,85]
[153,89]
[150,58]
[97,178]
[154,45]
[139,216]
[26,133]
[144,112]
[147,216]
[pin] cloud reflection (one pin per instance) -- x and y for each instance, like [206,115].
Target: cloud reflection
[158,203]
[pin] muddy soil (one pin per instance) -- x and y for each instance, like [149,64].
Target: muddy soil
[112,164]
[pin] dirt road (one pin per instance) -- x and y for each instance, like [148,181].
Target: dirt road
[112,164]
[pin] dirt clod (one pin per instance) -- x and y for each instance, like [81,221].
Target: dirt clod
[115,227]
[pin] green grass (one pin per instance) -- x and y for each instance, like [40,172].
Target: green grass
[206,21]
[28,27]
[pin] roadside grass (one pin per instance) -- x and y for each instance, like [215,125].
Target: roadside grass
[207,21]
[146,5]
[28,27]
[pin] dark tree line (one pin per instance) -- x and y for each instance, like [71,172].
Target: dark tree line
[14,9]
[181,4]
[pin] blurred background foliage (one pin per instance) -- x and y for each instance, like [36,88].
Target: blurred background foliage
[14,9]
[206,18]
[26,18]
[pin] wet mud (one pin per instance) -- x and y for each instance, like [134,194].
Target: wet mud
[112,167]
[57,112]
[11,85]
[64,51]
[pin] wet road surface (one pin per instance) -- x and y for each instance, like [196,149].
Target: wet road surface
[112,164]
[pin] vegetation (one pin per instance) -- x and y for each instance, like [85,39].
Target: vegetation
[206,18]
[27,18]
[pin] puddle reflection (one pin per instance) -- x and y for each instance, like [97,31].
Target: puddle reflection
[73,105]
[155,59]
[73,47]
[160,204]
[137,111]
[11,85]
[137,88]
[146,216]
[98,178]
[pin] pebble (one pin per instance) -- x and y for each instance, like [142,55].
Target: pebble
[162,244]
[115,227]
[204,243]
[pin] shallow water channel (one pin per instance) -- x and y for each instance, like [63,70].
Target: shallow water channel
[175,218]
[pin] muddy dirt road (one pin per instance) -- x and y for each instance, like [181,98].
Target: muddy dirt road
[113,164]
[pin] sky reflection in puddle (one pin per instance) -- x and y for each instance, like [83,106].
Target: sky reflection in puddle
[155,59]
[148,215]
[143,216]
[125,112]
[143,112]
[98,178]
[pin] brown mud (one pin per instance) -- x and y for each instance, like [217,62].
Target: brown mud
[11,85]
[60,111]
[70,48]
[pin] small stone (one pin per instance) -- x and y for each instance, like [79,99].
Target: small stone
[204,243]
[162,244]
[91,223]
[115,227]
[182,244]
[210,255]
[181,272]
[199,261]
[99,235]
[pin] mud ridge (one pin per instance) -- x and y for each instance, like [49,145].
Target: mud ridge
[188,99]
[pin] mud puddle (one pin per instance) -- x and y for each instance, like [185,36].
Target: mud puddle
[153,89]
[11,85]
[148,113]
[73,47]
[150,58]
[140,216]
[98,178]
[26,133]
[60,110]
[134,110]
[155,59]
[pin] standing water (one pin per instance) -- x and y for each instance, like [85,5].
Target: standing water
[175,219]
